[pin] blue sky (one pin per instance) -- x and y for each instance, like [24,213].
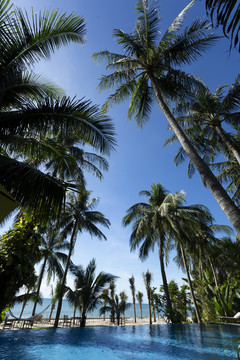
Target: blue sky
[140,157]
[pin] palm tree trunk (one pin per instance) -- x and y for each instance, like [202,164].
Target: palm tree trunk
[199,320]
[217,286]
[208,178]
[164,279]
[140,304]
[39,285]
[83,319]
[52,308]
[71,246]
[226,138]
[149,306]
[153,311]
[134,308]
[23,306]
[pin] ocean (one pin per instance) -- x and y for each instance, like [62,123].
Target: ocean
[45,309]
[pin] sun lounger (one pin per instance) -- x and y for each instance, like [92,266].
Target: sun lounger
[66,320]
[233,319]
[8,323]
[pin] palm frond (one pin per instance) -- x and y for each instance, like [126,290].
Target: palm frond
[141,100]
[38,37]
[31,187]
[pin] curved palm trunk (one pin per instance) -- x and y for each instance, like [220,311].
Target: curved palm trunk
[226,138]
[71,246]
[164,279]
[23,306]
[52,308]
[199,320]
[208,178]
[39,285]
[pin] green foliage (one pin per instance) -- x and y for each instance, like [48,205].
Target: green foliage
[35,115]
[180,300]
[218,296]
[19,252]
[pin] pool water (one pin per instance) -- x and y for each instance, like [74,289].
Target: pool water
[142,342]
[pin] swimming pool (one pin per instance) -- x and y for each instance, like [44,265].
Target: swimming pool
[160,342]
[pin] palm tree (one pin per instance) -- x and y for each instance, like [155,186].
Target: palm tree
[78,217]
[69,161]
[147,278]
[52,256]
[133,290]
[226,13]
[139,297]
[152,292]
[203,123]
[151,225]
[30,109]
[123,297]
[112,288]
[150,69]
[114,306]
[228,172]
[163,219]
[89,288]
[105,293]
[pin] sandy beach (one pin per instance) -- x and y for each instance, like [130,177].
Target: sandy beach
[44,323]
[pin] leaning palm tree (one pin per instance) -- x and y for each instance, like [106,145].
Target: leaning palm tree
[52,256]
[150,68]
[89,288]
[133,290]
[79,216]
[32,109]
[139,297]
[147,278]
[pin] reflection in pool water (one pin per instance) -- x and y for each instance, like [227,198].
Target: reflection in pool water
[161,342]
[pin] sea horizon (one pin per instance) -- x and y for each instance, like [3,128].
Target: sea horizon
[45,308]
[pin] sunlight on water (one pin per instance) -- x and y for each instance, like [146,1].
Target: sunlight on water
[160,342]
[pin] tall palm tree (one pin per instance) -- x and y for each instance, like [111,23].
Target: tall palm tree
[89,287]
[163,219]
[147,278]
[52,256]
[139,297]
[151,225]
[79,216]
[133,291]
[112,289]
[149,69]
[30,109]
